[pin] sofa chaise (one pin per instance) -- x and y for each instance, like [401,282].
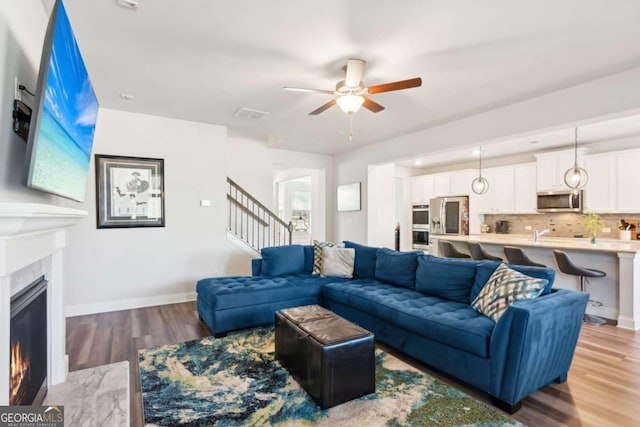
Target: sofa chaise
[420,305]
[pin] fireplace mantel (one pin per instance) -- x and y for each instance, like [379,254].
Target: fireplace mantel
[34,234]
[24,218]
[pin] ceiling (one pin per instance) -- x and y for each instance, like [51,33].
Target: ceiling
[201,60]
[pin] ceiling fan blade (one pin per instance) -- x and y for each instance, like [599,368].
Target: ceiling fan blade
[355,69]
[403,84]
[324,107]
[302,89]
[371,105]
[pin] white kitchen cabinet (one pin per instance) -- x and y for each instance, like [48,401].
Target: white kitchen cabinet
[500,196]
[525,188]
[460,183]
[601,188]
[456,183]
[627,178]
[422,189]
[551,167]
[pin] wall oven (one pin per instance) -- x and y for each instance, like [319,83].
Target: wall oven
[421,239]
[420,227]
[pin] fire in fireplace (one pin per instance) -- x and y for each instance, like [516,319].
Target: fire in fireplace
[28,331]
[19,369]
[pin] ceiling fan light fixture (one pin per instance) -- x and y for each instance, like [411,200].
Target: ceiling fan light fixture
[350,103]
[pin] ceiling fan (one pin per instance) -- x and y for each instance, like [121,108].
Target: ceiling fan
[352,93]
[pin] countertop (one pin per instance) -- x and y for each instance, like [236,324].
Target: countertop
[523,240]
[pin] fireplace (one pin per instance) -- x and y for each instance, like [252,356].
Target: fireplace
[28,351]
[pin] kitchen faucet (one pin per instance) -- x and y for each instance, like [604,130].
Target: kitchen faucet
[537,234]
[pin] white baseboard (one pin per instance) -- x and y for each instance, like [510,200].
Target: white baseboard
[104,307]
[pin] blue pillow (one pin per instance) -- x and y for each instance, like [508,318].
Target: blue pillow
[397,268]
[449,278]
[486,268]
[282,260]
[364,266]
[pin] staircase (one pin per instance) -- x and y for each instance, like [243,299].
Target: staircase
[252,222]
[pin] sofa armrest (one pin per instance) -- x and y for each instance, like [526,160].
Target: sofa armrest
[256,266]
[533,343]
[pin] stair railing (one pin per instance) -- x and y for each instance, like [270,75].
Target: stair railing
[252,222]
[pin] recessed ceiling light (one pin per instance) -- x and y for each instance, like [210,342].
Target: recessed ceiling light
[418,162]
[126,96]
[475,152]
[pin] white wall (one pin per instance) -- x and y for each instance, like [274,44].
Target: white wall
[609,97]
[381,205]
[109,269]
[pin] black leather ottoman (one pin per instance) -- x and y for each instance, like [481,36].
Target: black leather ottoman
[330,357]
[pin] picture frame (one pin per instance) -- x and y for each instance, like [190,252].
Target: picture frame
[129,192]
[348,197]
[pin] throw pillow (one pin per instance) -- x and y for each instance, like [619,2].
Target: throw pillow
[397,268]
[506,286]
[317,254]
[449,278]
[282,260]
[338,262]
[365,263]
[486,268]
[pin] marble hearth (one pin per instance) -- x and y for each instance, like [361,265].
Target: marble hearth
[32,242]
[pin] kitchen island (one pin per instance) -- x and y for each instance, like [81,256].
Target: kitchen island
[619,291]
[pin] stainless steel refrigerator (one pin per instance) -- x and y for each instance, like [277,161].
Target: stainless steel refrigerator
[449,215]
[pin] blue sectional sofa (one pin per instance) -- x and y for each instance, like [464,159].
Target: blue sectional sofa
[420,305]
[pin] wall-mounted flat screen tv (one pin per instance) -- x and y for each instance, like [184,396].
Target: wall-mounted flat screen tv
[64,115]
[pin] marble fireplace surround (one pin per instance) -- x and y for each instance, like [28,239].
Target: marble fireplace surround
[32,242]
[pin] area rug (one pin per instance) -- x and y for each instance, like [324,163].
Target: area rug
[235,381]
[94,397]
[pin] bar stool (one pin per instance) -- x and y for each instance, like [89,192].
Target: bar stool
[449,251]
[477,252]
[517,256]
[567,266]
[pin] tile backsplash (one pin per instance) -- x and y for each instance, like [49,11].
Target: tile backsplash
[559,224]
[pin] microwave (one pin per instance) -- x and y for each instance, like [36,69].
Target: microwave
[560,201]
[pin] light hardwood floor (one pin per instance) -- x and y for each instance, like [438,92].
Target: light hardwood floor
[603,387]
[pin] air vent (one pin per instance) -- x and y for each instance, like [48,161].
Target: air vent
[251,115]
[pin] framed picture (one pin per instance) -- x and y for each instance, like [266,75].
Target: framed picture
[129,191]
[349,197]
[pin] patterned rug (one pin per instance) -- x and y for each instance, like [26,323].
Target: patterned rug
[235,381]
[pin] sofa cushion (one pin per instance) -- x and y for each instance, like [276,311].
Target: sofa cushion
[338,262]
[449,278]
[485,269]
[308,259]
[365,262]
[281,260]
[231,292]
[448,322]
[504,287]
[317,254]
[397,268]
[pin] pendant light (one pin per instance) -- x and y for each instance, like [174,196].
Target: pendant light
[480,185]
[576,177]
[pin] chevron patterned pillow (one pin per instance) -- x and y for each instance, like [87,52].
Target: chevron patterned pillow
[504,287]
[317,254]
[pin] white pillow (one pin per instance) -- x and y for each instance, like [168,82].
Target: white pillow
[338,261]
